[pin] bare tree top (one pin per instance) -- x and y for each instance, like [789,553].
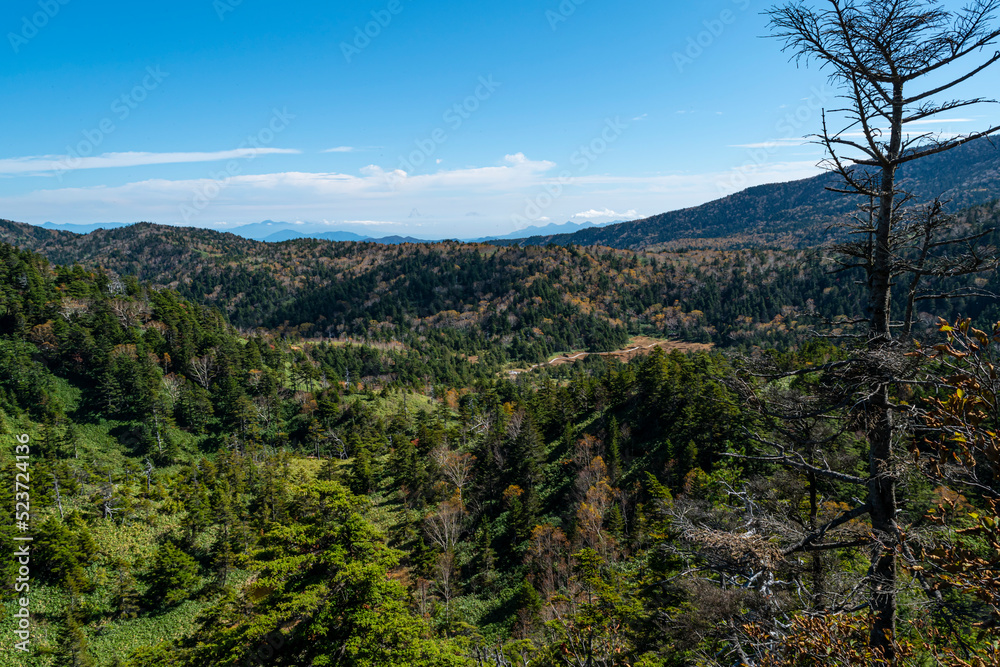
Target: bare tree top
[873,49]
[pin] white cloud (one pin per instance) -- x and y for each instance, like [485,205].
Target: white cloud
[593,214]
[518,170]
[341,149]
[39,164]
[375,196]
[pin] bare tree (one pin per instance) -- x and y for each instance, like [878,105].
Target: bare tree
[444,525]
[423,596]
[203,369]
[455,466]
[129,312]
[877,51]
[891,59]
[172,385]
[265,407]
[547,557]
[55,484]
[108,502]
[148,473]
[446,582]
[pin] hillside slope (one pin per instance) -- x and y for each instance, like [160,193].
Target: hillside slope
[506,303]
[796,213]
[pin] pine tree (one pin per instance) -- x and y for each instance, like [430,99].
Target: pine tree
[125,592]
[62,553]
[362,473]
[73,648]
[222,554]
[329,471]
[173,576]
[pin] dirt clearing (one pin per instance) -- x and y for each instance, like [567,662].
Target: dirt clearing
[638,346]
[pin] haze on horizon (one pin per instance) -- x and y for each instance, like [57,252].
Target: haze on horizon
[395,117]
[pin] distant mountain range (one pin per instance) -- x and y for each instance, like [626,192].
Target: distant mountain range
[278,232]
[271,231]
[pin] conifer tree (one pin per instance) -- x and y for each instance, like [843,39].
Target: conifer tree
[173,575]
[73,648]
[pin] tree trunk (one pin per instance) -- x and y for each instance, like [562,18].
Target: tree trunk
[882,481]
[882,497]
[880,275]
[880,278]
[159,439]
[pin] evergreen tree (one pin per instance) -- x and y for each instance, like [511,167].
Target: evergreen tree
[173,575]
[362,473]
[73,648]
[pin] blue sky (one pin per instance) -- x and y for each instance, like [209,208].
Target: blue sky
[445,119]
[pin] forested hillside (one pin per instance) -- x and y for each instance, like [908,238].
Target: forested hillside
[205,497]
[500,304]
[198,495]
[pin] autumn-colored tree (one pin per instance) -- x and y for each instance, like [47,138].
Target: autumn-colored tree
[547,557]
[456,466]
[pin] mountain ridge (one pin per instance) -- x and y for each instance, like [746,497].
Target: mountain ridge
[794,213]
